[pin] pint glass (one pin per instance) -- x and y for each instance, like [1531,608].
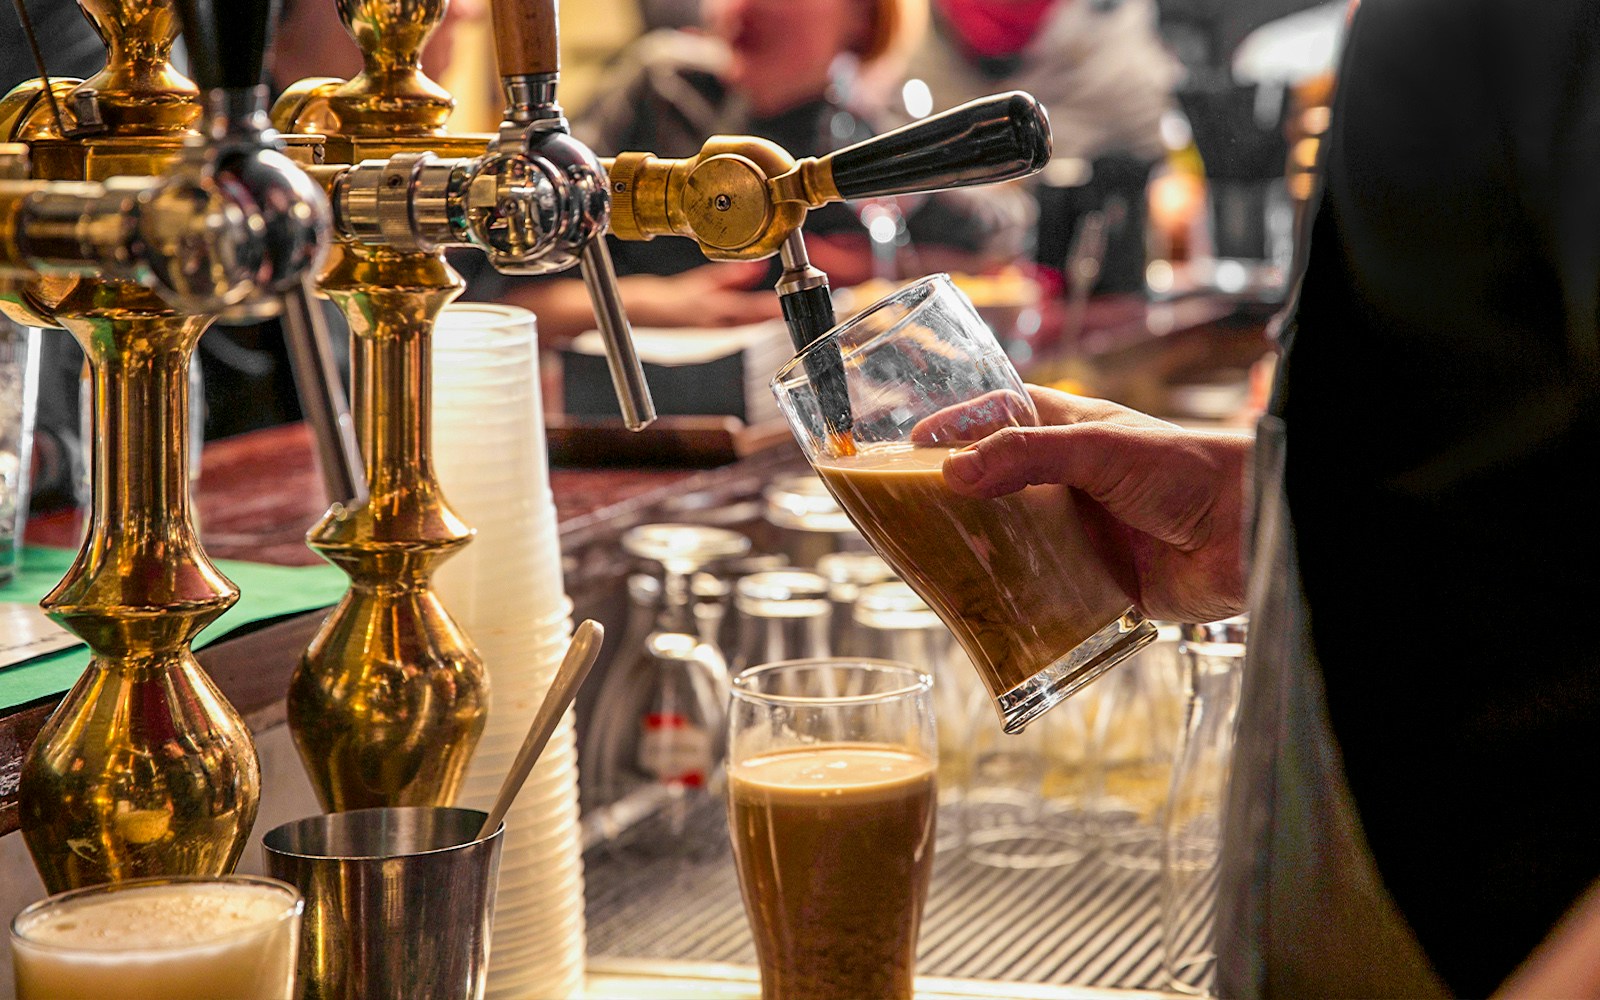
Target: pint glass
[831,802]
[877,403]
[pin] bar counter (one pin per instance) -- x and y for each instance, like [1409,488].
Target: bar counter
[259,492]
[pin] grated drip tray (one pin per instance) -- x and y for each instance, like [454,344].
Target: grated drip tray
[1086,923]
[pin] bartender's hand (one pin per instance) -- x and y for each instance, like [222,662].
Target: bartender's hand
[1167,504]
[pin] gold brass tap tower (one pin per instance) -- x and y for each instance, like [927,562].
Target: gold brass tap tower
[144,769]
[390,697]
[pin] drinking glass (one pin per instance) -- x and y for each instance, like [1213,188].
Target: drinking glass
[652,745]
[1023,806]
[162,939]
[894,624]
[847,573]
[876,404]
[783,615]
[806,520]
[1213,663]
[831,802]
[1135,736]
[19,390]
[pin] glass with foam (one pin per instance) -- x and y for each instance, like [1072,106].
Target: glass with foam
[877,404]
[160,939]
[831,810]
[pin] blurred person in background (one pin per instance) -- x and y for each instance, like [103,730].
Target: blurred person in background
[1102,72]
[782,71]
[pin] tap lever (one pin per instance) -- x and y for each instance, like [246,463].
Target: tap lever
[627,375]
[228,41]
[741,197]
[322,397]
[992,139]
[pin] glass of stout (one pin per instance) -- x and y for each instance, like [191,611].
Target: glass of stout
[831,803]
[876,404]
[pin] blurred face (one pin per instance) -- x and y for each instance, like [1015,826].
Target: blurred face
[441,45]
[787,40]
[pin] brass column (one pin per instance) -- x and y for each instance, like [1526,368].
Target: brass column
[144,769]
[389,699]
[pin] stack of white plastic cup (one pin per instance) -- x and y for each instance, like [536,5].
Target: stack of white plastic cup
[505,590]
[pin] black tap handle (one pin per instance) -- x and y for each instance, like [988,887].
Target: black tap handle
[228,40]
[991,139]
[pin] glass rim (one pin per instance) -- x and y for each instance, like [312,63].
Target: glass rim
[918,290]
[355,815]
[296,906]
[918,682]
[487,315]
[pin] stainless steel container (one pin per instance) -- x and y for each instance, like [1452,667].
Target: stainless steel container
[398,901]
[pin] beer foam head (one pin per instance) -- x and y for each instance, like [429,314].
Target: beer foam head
[160,916]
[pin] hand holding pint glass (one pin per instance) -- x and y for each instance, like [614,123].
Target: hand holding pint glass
[1015,578]
[831,803]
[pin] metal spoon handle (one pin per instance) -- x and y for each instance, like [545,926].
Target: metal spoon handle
[574,668]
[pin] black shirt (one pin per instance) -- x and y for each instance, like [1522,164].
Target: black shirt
[1442,402]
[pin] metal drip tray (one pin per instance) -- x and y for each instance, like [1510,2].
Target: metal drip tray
[1090,923]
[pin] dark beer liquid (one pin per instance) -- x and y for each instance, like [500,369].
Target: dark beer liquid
[1014,578]
[834,846]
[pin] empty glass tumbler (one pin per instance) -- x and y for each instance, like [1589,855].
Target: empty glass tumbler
[653,746]
[1213,664]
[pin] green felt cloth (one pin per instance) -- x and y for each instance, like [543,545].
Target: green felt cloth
[265,592]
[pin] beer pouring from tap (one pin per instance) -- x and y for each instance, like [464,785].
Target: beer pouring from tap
[742,198]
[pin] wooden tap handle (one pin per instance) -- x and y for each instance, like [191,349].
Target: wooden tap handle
[525,37]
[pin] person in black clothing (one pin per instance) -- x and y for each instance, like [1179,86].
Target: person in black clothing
[1412,807]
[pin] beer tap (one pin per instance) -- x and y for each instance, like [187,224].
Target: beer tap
[743,199]
[569,198]
[133,232]
[366,704]
[388,700]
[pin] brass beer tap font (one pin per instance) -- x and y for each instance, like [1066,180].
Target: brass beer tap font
[134,231]
[390,697]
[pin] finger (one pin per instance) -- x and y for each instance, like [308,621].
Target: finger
[1156,482]
[740,308]
[974,419]
[1057,407]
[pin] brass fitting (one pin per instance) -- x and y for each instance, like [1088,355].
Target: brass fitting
[737,198]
